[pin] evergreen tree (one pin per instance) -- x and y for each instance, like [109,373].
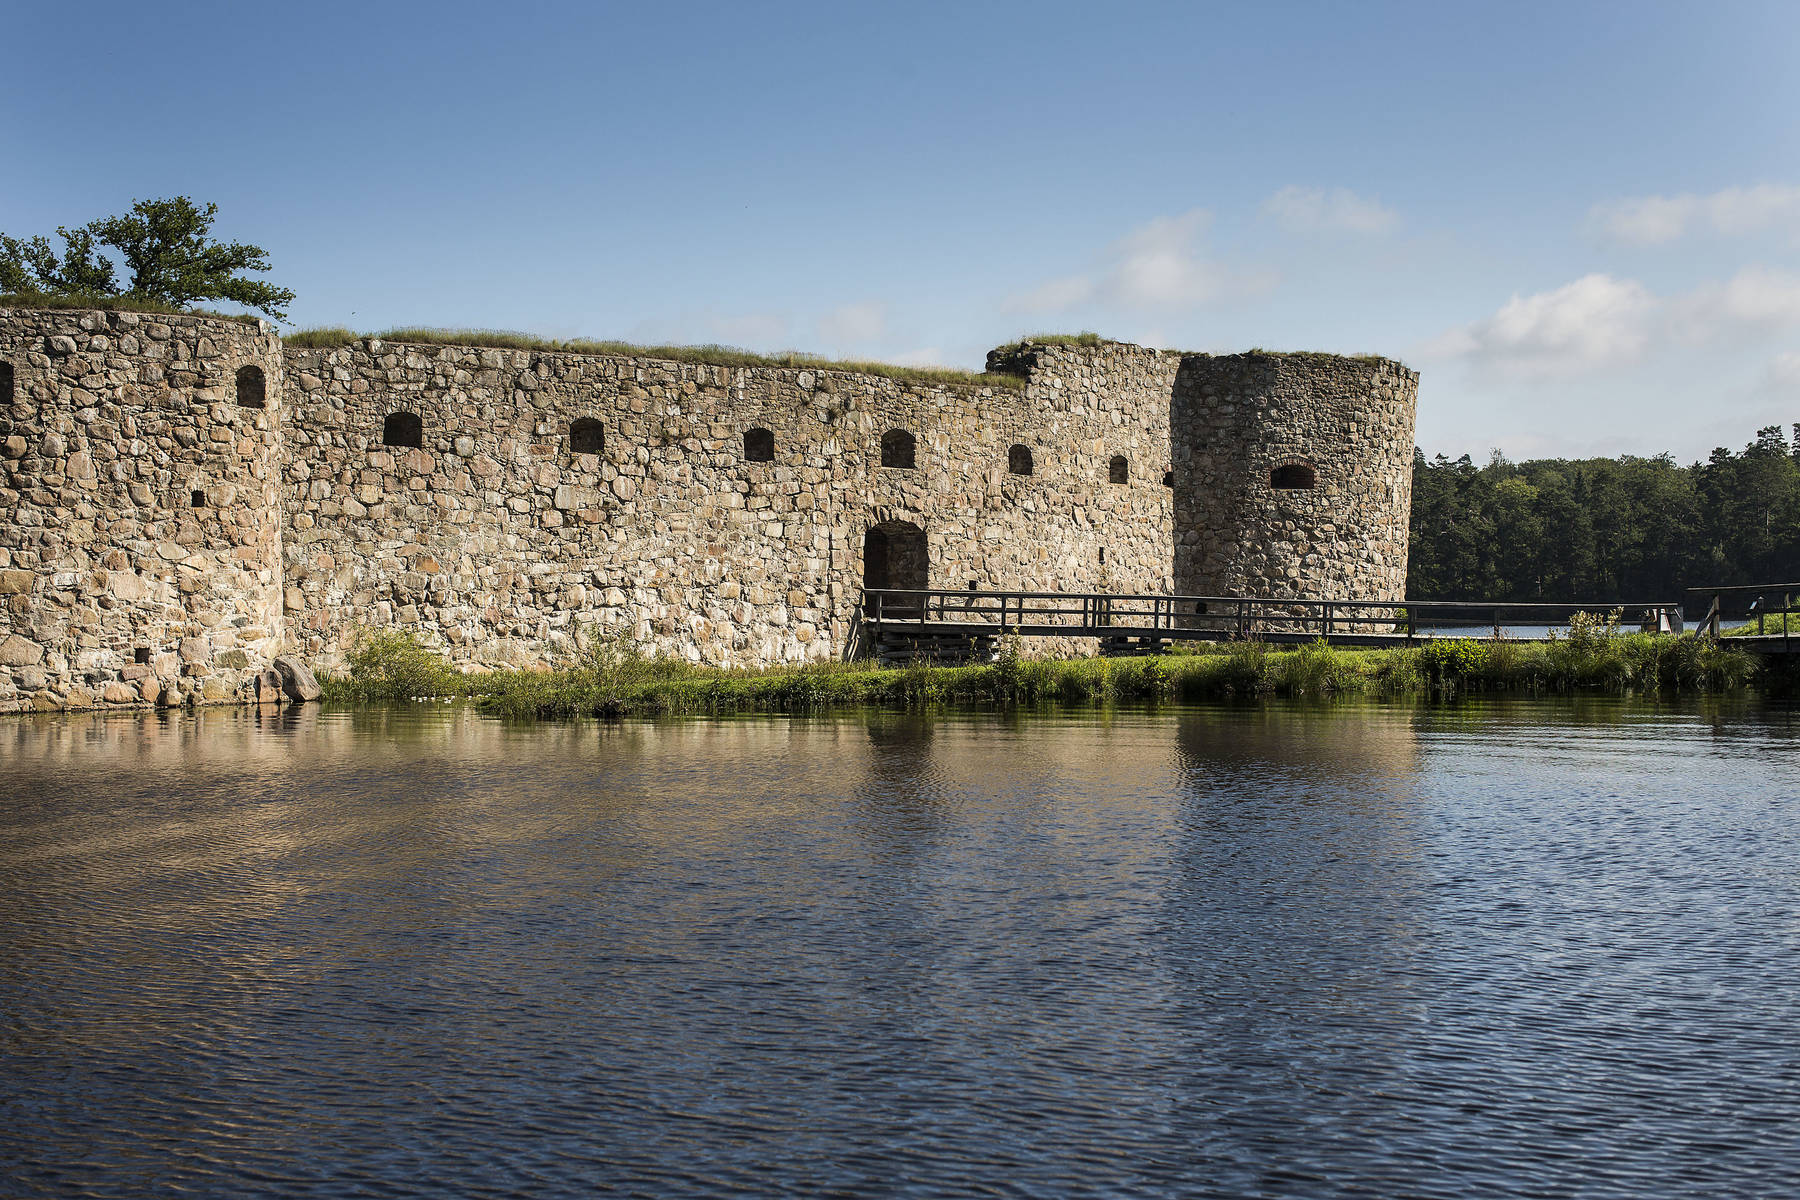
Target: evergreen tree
[1629,529]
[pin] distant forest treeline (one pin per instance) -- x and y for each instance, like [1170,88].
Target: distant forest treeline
[1632,529]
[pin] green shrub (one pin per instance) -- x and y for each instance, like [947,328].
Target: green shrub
[391,666]
[1313,670]
[1246,670]
[1452,663]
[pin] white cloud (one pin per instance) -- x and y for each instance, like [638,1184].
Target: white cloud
[1338,210]
[1783,375]
[1647,221]
[1754,298]
[1158,266]
[1599,321]
[854,324]
[1593,322]
[1735,211]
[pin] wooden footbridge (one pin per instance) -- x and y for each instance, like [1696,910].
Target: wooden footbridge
[950,625]
[1769,606]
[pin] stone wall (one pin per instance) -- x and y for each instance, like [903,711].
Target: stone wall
[140,518]
[161,538]
[496,540]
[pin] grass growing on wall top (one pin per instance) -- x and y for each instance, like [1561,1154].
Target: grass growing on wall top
[709,355]
[1090,339]
[615,679]
[1314,355]
[133,304]
[1086,337]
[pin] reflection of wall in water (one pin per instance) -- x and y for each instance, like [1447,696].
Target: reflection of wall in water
[1304,879]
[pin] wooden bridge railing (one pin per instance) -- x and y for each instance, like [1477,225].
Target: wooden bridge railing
[1102,614]
[1764,600]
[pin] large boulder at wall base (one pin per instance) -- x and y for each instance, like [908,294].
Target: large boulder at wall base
[296,680]
[268,686]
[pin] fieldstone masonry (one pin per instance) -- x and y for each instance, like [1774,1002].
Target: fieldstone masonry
[162,538]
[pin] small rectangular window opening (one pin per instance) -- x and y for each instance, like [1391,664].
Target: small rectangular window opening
[197,499]
[141,655]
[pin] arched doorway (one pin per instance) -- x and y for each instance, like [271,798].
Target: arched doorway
[895,559]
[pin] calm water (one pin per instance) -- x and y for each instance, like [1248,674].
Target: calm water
[1526,950]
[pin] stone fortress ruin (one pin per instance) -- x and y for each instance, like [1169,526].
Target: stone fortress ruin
[182,498]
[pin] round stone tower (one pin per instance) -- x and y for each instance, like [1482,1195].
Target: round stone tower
[1292,475]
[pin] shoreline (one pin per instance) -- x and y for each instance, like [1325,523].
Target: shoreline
[614,682]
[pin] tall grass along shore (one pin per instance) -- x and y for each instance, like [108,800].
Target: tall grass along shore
[612,679]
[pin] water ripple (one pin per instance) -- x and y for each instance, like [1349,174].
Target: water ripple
[1502,950]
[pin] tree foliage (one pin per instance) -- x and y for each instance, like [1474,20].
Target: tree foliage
[166,247]
[1633,529]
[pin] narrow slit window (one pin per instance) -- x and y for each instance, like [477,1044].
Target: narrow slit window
[1018,460]
[759,445]
[403,429]
[6,383]
[1293,477]
[252,387]
[1118,471]
[587,436]
[897,449]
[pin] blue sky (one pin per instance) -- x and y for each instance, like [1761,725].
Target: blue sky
[1580,222]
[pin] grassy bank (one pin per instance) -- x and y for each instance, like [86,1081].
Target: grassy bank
[611,680]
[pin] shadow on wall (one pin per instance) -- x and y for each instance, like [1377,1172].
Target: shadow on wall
[895,555]
[1187,567]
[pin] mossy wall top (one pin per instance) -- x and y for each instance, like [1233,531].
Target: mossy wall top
[501,502]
